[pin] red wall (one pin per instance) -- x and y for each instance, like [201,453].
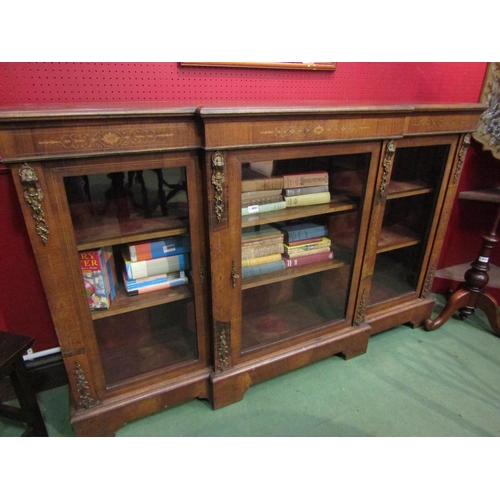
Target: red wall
[22,303]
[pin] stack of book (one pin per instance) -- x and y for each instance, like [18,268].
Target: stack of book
[260,190]
[261,250]
[307,188]
[99,277]
[305,243]
[156,265]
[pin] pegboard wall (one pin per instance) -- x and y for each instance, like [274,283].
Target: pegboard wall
[371,83]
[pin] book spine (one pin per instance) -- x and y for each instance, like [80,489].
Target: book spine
[307,199]
[257,261]
[324,242]
[262,200]
[305,190]
[305,179]
[146,268]
[261,250]
[158,286]
[263,241]
[262,184]
[293,235]
[307,259]
[248,195]
[268,207]
[157,249]
[308,252]
[262,269]
[152,280]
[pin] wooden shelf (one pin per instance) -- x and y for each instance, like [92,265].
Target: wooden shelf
[290,273]
[401,189]
[110,232]
[338,203]
[123,303]
[394,237]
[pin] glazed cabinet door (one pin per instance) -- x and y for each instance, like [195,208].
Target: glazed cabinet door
[284,258]
[129,300]
[411,187]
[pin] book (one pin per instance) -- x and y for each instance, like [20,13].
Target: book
[159,282]
[259,234]
[305,179]
[305,247]
[267,207]
[308,252]
[261,249]
[307,259]
[248,195]
[305,190]
[300,231]
[151,280]
[155,249]
[255,181]
[152,267]
[156,287]
[262,200]
[257,261]
[307,199]
[99,277]
[263,269]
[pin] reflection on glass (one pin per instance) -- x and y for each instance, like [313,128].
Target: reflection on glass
[411,197]
[126,202]
[144,340]
[308,292]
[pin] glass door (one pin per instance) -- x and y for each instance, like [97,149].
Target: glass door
[412,190]
[301,221]
[137,231]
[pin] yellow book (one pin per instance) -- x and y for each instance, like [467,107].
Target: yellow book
[307,199]
[257,261]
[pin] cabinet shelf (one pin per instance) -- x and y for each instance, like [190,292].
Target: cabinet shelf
[123,303]
[394,237]
[338,203]
[290,273]
[401,189]
[110,232]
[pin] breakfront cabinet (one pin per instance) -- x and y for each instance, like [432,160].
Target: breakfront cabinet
[276,276]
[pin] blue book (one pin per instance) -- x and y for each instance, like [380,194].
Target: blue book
[152,267]
[270,267]
[301,231]
[156,249]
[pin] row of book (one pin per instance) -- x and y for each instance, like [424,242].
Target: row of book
[148,266]
[269,248]
[263,192]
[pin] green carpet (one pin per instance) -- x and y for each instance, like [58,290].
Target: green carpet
[409,383]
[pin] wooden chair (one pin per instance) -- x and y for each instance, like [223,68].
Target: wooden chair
[12,348]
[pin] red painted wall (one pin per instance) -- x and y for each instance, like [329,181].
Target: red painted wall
[22,303]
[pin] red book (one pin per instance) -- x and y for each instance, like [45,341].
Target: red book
[308,259]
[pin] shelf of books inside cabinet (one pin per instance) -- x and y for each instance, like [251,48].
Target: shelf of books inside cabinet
[290,273]
[124,303]
[338,203]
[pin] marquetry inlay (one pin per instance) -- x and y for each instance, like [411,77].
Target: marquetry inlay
[305,131]
[107,139]
[360,314]
[428,282]
[223,345]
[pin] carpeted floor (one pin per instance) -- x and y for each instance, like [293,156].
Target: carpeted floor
[409,383]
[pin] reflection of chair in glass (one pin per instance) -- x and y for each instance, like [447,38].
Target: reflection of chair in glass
[161,182]
[471,293]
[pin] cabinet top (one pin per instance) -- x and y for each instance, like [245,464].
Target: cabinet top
[35,132]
